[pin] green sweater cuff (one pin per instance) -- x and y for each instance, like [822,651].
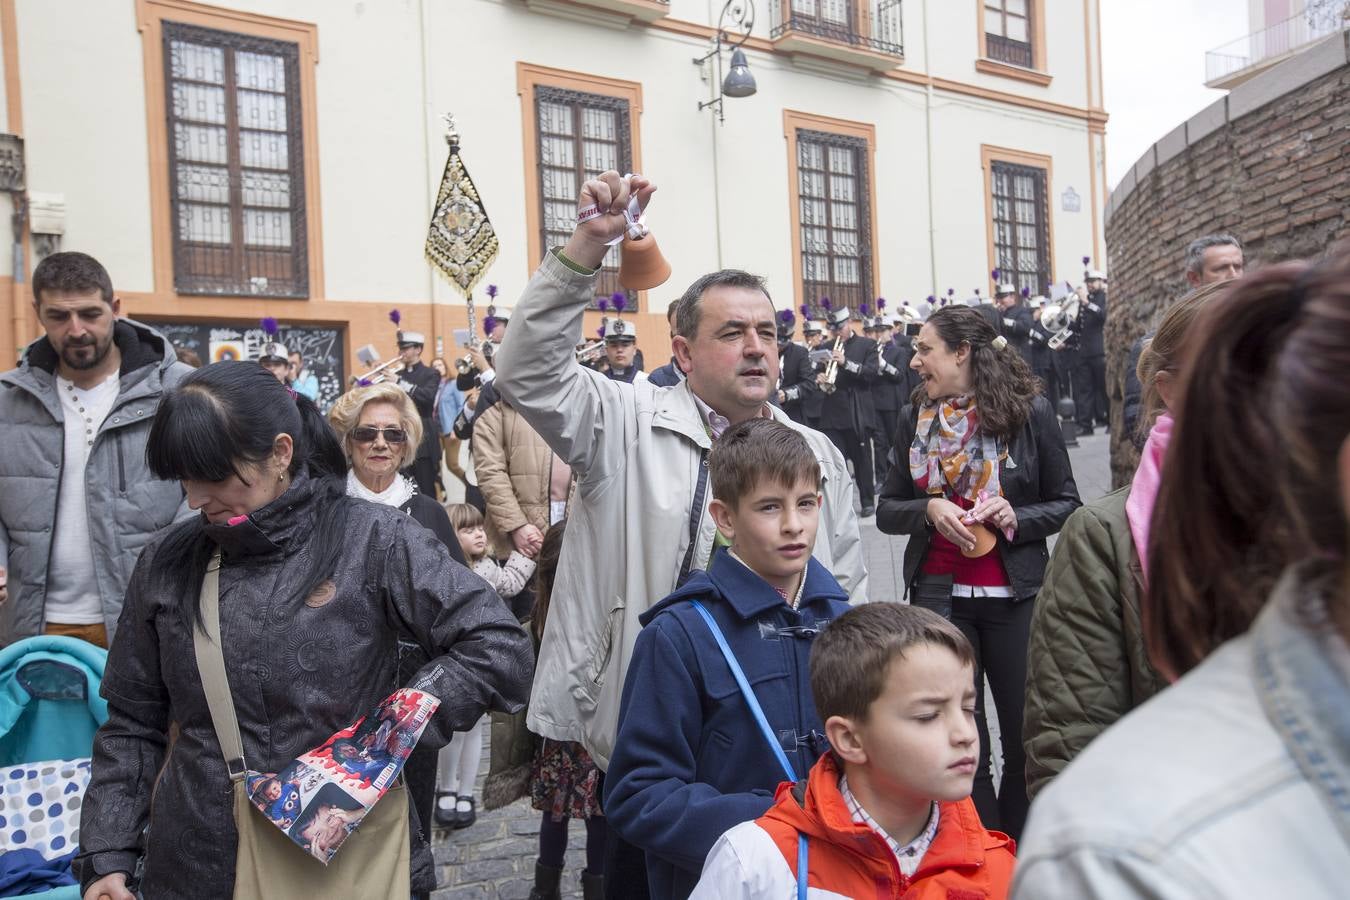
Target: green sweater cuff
[574,266]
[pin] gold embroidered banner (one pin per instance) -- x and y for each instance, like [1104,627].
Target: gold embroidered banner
[461,242]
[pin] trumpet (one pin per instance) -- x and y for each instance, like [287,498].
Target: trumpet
[464,365]
[832,368]
[385,371]
[591,352]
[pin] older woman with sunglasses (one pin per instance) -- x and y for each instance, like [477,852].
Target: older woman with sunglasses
[380,430]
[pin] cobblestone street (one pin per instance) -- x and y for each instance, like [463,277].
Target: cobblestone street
[495,857]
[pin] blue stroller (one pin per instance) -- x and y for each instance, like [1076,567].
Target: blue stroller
[49,711]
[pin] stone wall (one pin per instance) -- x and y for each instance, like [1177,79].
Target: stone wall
[1269,163]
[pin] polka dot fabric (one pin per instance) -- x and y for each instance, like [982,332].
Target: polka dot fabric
[41,806]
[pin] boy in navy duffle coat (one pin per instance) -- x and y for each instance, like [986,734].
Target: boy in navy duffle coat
[690,761]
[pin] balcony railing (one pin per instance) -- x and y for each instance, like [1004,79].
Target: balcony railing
[1238,60]
[870,26]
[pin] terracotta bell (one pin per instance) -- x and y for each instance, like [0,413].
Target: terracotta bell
[641,265]
[984,540]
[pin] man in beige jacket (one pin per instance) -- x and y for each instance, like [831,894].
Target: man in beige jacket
[638,521]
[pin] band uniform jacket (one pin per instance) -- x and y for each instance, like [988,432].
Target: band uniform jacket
[850,407]
[425,385]
[1016,326]
[1091,322]
[796,379]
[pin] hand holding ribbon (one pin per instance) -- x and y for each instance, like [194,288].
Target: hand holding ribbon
[996,511]
[609,207]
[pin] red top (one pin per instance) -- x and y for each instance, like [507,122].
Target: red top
[944,558]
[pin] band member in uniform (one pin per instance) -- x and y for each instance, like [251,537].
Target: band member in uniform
[1091,370]
[421,384]
[895,382]
[620,348]
[796,376]
[848,415]
[1017,322]
[813,332]
[1041,357]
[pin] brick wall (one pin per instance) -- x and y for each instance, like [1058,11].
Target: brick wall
[1269,163]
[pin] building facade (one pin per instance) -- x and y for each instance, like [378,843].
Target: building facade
[281,157]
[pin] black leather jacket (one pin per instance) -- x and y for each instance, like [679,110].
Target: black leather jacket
[300,669]
[1039,486]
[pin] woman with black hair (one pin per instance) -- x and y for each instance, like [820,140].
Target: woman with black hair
[988,481]
[316,589]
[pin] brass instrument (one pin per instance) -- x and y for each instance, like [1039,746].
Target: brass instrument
[832,368]
[591,352]
[1059,319]
[386,371]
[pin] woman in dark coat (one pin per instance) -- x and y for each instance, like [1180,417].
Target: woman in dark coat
[316,589]
[984,454]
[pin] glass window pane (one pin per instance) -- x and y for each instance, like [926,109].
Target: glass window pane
[204,224]
[561,216]
[267,228]
[599,156]
[815,267]
[599,123]
[263,150]
[813,212]
[810,155]
[197,62]
[815,240]
[845,271]
[1016,7]
[841,160]
[559,152]
[842,187]
[555,118]
[261,188]
[558,184]
[844,215]
[1017,29]
[993,21]
[260,71]
[198,102]
[260,110]
[812,184]
[199,143]
[205,184]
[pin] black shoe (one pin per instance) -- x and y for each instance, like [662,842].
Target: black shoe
[868,510]
[592,886]
[444,814]
[1085,432]
[465,817]
[546,881]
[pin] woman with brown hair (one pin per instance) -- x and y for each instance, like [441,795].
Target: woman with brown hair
[988,481]
[1232,782]
[1087,661]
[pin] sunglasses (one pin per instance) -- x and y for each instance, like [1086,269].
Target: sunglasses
[365,434]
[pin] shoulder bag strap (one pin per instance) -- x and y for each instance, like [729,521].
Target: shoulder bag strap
[695,516]
[211,665]
[753,702]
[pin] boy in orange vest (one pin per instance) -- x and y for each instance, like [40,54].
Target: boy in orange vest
[887,812]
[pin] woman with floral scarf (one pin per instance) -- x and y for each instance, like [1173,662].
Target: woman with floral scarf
[988,481]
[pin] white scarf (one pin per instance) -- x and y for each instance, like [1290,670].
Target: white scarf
[399,492]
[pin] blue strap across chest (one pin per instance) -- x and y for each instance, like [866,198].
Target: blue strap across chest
[760,719]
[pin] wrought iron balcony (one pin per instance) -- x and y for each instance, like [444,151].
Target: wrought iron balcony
[1235,62]
[865,33]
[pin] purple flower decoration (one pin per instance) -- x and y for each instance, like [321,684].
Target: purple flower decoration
[603,304]
[786,317]
[994,274]
[881,304]
[806,311]
[977,292]
[826,305]
[1087,260]
[600,332]
[931,299]
[395,316]
[492,292]
[619,300]
[489,323]
[1026,292]
[864,310]
[951,292]
[269,326]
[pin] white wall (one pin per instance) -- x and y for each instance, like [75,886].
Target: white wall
[381,146]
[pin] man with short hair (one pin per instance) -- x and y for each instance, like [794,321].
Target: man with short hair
[421,383]
[1017,319]
[638,523]
[273,357]
[1214,257]
[1209,259]
[1089,375]
[78,502]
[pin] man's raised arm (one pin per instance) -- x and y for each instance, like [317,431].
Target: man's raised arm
[537,371]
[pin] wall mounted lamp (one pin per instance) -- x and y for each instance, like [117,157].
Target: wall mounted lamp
[740,16]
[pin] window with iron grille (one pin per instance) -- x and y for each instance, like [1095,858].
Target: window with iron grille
[1007,32]
[236,163]
[1021,227]
[580,136]
[834,217]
